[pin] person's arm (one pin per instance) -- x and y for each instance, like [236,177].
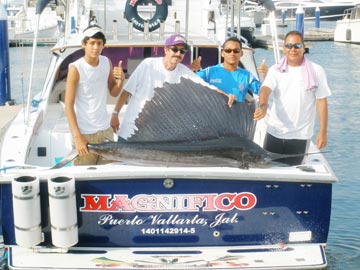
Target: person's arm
[260,111]
[116,79]
[70,93]
[201,78]
[231,97]
[114,122]
[322,111]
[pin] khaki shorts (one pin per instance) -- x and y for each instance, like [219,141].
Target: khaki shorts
[93,159]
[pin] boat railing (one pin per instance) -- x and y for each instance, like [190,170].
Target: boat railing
[357,12]
[352,13]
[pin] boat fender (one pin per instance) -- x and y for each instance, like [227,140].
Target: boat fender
[133,16]
[348,34]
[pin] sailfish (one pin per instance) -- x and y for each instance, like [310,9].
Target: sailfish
[189,124]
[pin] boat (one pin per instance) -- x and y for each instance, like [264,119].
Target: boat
[236,16]
[329,9]
[23,20]
[256,11]
[156,216]
[348,28]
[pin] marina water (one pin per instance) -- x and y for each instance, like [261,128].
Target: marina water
[342,65]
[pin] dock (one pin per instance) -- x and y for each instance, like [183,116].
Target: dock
[317,34]
[311,34]
[29,42]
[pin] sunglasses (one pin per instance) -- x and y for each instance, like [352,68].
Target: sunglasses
[232,50]
[175,50]
[296,46]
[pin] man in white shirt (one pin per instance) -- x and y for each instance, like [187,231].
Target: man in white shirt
[299,89]
[151,73]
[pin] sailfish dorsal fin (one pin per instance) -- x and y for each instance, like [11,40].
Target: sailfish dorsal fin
[189,111]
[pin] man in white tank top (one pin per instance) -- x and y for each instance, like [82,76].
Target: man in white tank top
[88,80]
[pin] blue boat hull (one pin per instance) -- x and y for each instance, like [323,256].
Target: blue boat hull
[188,212]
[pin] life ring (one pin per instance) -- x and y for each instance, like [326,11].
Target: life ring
[133,16]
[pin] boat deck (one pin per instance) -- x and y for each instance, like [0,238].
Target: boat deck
[59,145]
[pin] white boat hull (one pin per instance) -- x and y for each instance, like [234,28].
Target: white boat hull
[231,257]
[347,31]
[348,28]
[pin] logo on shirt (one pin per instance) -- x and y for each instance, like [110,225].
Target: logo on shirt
[217,80]
[241,87]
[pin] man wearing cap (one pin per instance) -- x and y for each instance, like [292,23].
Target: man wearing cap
[152,72]
[88,80]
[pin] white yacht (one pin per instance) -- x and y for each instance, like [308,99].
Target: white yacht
[348,28]
[23,20]
[329,9]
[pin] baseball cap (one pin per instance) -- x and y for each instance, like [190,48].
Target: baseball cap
[175,40]
[91,31]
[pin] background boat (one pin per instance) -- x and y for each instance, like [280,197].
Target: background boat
[209,17]
[256,11]
[329,9]
[22,22]
[348,28]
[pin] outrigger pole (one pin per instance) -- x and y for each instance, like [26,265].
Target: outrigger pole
[187,19]
[274,36]
[40,6]
[238,28]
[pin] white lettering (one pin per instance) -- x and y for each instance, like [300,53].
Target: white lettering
[176,220]
[110,220]
[223,219]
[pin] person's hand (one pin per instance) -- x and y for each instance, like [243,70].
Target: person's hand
[321,140]
[114,122]
[231,100]
[196,64]
[81,145]
[263,69]
[260,112]
[119,74]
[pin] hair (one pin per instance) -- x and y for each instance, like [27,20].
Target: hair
[235,39]
[294,33]
[98,35]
